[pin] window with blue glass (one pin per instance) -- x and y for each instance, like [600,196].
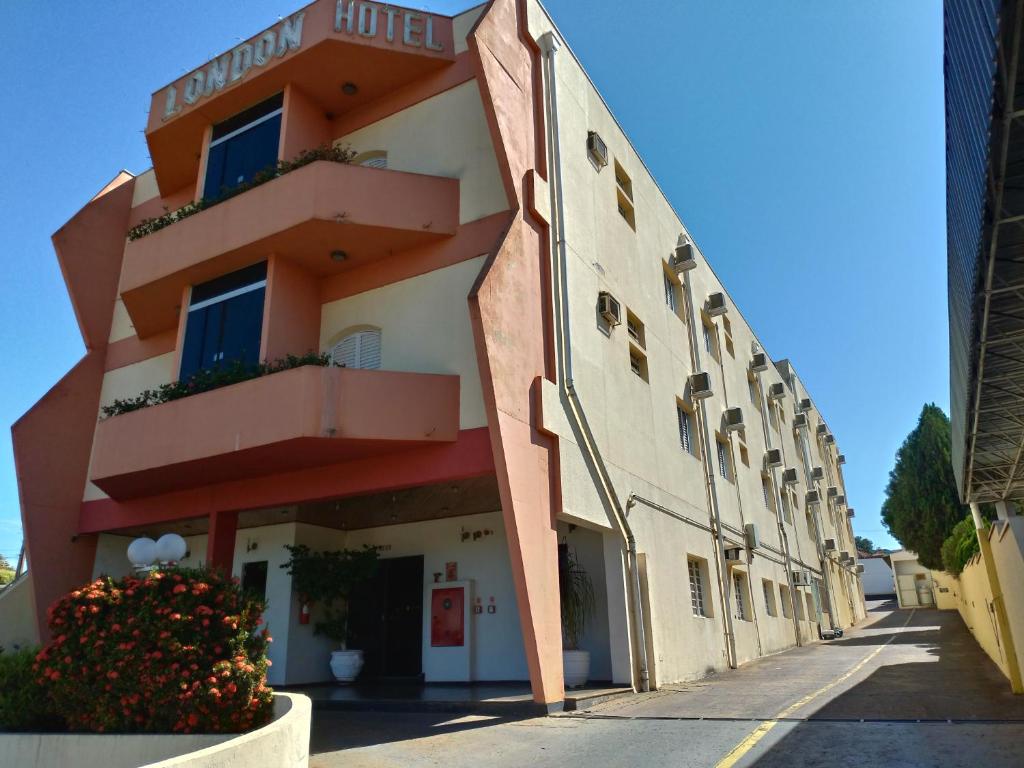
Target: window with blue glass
[225,321]
[242,146]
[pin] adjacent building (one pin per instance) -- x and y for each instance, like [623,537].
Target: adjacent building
[528,355]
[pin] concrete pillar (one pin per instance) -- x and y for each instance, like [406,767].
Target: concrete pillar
[220,545]
[1005,509]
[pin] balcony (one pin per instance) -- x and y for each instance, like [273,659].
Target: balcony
[302,216]
[297,419]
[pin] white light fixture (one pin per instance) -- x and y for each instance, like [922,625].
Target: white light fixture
[170,548]
[142,552]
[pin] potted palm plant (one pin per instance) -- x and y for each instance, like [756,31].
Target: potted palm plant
[576,594]
[326,579]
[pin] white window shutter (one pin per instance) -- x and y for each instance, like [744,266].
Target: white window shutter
[369,350]
[377,161]
[358,350]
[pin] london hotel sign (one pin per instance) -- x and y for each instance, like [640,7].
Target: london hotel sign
[368,20]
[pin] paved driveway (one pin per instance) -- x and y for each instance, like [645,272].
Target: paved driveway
[906,689]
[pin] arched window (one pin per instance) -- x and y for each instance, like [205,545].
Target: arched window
[358,350]
[375,158]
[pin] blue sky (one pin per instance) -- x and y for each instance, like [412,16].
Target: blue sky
[802,143]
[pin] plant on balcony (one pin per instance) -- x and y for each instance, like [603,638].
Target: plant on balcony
[175,651]
[207,379]
[328,152]
[576,598]
[326,579]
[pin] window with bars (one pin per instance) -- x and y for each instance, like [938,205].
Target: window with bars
[671,293]
[769,597]
[768,493]
[697,601]
[740,610]
[361,349]
[685,421]
[724,465]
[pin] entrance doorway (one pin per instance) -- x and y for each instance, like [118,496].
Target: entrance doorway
[386,620]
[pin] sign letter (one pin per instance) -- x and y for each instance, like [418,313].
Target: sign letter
[169,106]
[263,49]
[217,74]
[290,37]
[367,29]
[241,61]
[391,12]
[194,86]
[430,36]
[413,29]
[344,15]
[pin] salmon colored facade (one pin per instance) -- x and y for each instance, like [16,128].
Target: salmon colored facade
[426,270]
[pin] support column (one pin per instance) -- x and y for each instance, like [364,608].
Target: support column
[220,544]
[1002,622]
[1005,509]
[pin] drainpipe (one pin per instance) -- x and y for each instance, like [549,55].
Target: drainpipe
[998,602]
[721,566]
[777,490]
[818,543]
[549,45]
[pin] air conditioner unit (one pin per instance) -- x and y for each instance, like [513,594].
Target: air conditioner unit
[817,473]
[715,305]
[849,512]
[750,535]
[840,459]
[859,569]
[805,405]
[812,497]
[844,557]
[609,308]
[840,500]
[789,477]
[734,555]
[830,438]
[700,385]
[684,258]
[759,362]
[830,544]
[597,149]
[822,429]
[800,421]
[832,491]
[776,391]
[733,419]
[801,578]
[772,458]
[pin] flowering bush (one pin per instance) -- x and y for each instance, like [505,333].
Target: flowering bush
[175,651]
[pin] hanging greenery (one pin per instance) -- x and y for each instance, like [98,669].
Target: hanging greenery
[330,153]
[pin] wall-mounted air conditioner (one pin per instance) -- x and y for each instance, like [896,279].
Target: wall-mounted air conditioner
[812,497]
[849,512]
[700,385]
[830,438]
[609,308]
[776,391]
[716,305]
[817,473]
[772,458]
[597,148]
[830,544]
[840,459]
[759,362]
[805,405]
[789,477]
[750,535]
[822,430]
[800,421]
[840,500]
[859,569]
[801,578]
[733,419]
[734,555]
[684,258]
[832,491]
[844,557]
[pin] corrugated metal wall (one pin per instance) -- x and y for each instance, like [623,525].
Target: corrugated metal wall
[971,34]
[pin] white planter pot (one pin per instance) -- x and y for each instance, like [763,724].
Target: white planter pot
[346,665]
[575,668]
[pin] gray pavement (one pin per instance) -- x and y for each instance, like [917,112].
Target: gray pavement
[904,689]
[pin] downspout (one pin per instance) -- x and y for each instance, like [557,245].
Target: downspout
[776,489]
[721,566]
[549,45]
[818,543]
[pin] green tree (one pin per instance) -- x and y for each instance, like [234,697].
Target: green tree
[6,571]
[922,505]
[864,545]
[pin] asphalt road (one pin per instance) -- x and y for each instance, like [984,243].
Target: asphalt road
[905,689]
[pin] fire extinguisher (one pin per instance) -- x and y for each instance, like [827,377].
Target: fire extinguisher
[304,612]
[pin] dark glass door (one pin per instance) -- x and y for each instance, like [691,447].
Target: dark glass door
[386,620]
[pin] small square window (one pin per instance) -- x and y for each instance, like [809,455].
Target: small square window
[727,333]
[684,418]
[769,597]
[798,605]
[635,329]
[724,461]
[768,492]
[624,195]
[708,330]
[740,610]
[785,601]
[697,568]
[673,292]
[638,362]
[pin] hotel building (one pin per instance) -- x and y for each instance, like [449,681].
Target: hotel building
[529,356]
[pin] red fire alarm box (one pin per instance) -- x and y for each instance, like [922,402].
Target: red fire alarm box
[447,617]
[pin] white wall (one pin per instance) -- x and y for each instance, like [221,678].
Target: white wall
[877,577]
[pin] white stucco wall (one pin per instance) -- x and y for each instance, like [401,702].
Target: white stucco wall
[877,577]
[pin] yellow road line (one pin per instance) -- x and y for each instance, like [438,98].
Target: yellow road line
[748,743]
